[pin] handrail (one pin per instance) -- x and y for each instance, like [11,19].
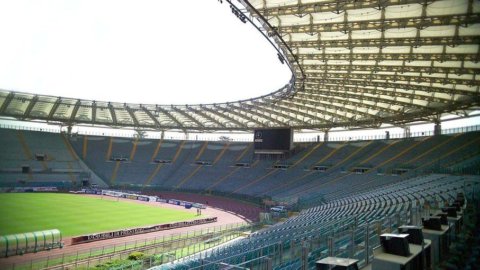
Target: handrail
[216,137]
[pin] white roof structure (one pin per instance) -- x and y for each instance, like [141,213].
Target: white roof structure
[354,64]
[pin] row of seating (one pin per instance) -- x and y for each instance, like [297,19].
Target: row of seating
[211,166]
[37,159]
[297,182]
[349,223]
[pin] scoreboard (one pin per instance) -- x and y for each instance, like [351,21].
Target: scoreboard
[273,140]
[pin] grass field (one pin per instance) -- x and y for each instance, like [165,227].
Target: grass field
[76,215]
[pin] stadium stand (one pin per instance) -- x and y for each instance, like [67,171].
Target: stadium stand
[33,159]
[320,170]
[344,227]
[355,65]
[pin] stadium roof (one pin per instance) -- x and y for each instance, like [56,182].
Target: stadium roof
[354,64]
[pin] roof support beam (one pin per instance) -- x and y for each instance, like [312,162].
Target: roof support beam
[206,116]
[329,83]
[54,108]
[381,24]
[396,77]
[6,102]
[94,112]
[312,69]
[132,115]
[409,57]
[112,113]
[331,103]
[31,104]
[386,42]
[299,112]
[169,115]
[335,6]
[74,112]
[220,113]
[354,98]
[376,95]
[244,111]
[271,111]
[152,117]
[189,117]
[238,112]
[318,108]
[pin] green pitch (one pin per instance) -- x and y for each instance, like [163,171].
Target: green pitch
[77,215]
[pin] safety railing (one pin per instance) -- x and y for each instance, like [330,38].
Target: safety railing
[347,237]
[341,239]
[165,247]
[244,137]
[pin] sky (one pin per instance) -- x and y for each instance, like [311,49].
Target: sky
[149,51]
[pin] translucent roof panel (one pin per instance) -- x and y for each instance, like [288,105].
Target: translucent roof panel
[354,64]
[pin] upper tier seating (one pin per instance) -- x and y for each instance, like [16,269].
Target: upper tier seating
[214,166]
[318,172]
[31,158]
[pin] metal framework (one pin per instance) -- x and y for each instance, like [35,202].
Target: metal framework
[354,64]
